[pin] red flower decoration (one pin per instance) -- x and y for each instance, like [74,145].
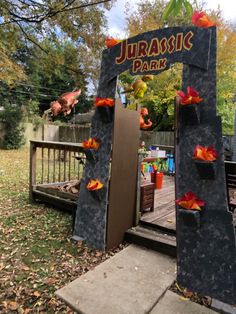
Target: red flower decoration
[205,153]
[104,102]
[94,185]
[200,19]
[91,143]
[190,201]
[192,97]
[110,42]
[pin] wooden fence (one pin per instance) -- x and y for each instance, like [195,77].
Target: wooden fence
[159,138]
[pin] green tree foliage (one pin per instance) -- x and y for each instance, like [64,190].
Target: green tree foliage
[12,117]
[54,73]
[226,76]
[159,98]
[48,75]
[77,19]
[11,69]
[174,7]
[161,92]
[49,47]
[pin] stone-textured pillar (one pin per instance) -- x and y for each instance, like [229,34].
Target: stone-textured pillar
[234,139]
[206,252]
[91,215]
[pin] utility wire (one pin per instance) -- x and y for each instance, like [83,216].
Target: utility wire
[28,93]
[40,87]
[59,91]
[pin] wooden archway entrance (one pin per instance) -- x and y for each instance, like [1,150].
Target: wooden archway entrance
[206,252]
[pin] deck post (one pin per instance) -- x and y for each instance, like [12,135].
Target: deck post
[32,174]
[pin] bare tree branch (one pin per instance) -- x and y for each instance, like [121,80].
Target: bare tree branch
[83,6]
[29,38]
[51,12]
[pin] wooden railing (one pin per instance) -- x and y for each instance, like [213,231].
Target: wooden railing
[52,162]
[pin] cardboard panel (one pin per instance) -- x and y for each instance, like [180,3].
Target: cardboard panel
[123,184]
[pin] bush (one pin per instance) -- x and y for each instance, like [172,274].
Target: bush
[12,118]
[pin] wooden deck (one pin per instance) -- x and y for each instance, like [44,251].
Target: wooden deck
[164,206]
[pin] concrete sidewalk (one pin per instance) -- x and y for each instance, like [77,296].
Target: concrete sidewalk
[134,281]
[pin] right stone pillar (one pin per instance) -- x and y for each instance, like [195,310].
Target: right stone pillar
[206,250]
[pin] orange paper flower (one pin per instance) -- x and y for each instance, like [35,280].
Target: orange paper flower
[110,42]
[190,201]
[94,185]
[200,19]
[104,102]
[192,97]
[91,143]
[205,153]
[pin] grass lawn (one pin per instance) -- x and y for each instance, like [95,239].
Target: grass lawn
[36,254]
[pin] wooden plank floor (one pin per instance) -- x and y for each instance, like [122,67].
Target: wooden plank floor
[164,206]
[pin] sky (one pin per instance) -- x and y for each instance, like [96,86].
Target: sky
[116,16]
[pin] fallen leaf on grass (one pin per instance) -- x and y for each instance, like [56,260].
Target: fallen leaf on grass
[4,303]
[20,310]
[52,301]
[50,281]
[178,287]
[10,230]
[79,243]
[25,268]
[98,254]
[184,299]
[36,294]
[38,303]
[187,294]
[12,305]
[1,266]
[13,252]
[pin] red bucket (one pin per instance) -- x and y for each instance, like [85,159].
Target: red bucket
[159,180]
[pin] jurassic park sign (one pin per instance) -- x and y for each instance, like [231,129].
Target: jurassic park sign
[156,51]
